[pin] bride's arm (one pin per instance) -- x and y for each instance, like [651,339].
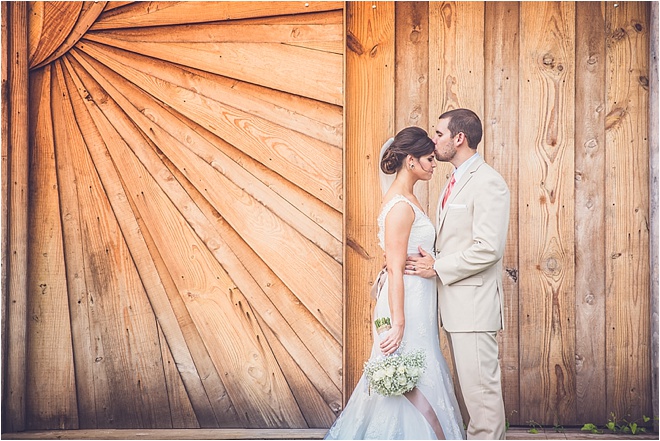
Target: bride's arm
[397,231]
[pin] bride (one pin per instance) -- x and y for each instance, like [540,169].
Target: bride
[430,410]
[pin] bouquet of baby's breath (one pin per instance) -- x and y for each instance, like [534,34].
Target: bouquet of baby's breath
[394,374]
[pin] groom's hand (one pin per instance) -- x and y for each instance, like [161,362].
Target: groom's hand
[420,265]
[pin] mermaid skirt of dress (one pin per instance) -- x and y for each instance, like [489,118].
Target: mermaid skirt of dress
[369,415]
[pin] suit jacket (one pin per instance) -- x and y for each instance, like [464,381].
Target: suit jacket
[471,236]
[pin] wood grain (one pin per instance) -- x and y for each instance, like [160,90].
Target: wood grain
[546,198]
[455,81]
[5,185]
[319,120]
[590,221]
[121,321]
[252,378]
[369,103]
[204,386]
[627,202]
[286,152]
[181,410]
[88,14]
[412,74]
[52,27]
[654,203]
[167,13]
[317,74]
[193,169]
[322,36]
[51,403]
[502,150]
[16,84]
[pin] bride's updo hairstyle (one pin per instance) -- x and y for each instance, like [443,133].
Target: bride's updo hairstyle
[411,141]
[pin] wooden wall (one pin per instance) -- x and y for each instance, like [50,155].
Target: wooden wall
[184,261]
[562,89]
[184,182]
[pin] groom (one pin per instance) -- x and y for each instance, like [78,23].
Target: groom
[472,223]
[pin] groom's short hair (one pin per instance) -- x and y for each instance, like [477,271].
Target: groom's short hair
[466,121]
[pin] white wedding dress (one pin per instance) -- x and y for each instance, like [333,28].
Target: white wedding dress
[367,414]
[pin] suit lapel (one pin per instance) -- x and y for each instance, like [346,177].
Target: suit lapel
[458,186]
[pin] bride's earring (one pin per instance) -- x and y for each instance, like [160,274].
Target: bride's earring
[412,166]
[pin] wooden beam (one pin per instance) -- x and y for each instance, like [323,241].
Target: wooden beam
[369,114]
[546,201]
[654,178]
[590,221]
[627,210]
[502,151]
[4,133]
[17,150]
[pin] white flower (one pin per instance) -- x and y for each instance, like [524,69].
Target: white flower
[395,374]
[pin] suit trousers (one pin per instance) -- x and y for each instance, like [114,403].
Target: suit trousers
[479,381]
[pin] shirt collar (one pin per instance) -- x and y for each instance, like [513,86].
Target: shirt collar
[460,171]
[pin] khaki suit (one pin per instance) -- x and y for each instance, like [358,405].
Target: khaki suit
[470,242]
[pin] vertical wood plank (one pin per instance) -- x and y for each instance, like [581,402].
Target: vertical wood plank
[369,115]
[50,404]
[654,178]
[590,219]
[4,209]
[412,74]
[17,243]
[181,409]
[455,81]
[546,201]
[501,46]
[627,202]
[456,70]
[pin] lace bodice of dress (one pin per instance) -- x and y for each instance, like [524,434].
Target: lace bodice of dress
[422,231]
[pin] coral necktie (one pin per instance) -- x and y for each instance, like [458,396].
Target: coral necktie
[448,192]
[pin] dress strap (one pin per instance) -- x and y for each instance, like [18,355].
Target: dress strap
[384,212]
[395,200]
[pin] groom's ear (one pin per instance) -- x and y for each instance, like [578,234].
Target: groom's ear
[460,138]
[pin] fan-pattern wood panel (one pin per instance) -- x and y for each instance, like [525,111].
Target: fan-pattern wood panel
[186,214]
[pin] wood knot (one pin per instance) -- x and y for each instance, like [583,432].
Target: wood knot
[415,34]
[591,144]
[374,51]
[549,60]
[644,81]
[593,59]
[551,264]
[615,117]
[638,27]
[354,44]
[590,299]
[618,34]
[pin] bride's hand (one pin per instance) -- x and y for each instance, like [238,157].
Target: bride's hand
[392,340]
